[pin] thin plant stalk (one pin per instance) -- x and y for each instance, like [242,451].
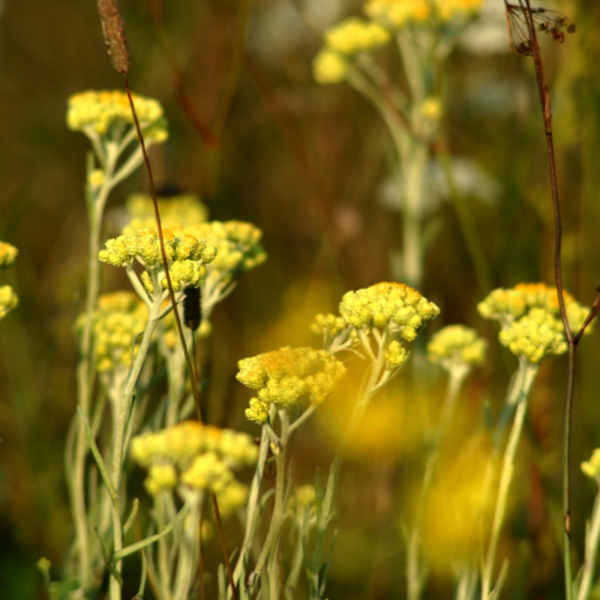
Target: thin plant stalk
[414,578]
[119,442]
[592,538]
[573,340]
[528,371]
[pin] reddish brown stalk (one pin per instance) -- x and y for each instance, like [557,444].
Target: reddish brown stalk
[530,47]
[224,545]
[179,88]
[115,38]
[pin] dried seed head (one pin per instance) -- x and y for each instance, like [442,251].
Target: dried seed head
[115,38]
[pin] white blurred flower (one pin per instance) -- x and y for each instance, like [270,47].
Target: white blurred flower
[470,179]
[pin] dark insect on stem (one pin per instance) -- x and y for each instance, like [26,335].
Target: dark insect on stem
[549,22]
[192,307]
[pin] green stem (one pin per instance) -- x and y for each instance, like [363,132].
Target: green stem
[591,550]
[120,435]
[528,373]
[414,574]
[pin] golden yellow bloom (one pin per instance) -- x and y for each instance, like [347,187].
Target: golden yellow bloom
[591,467]
[529,316]
[329,67]
[96,178]
[356,35]
[289,377]
[119,318]
[8,254]
[8,300]
[192,454]
[397,13]
[178,213]
[393,305]
[104,112]
[456,346]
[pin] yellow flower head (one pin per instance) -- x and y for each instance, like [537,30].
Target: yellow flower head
[119,318]
[398,13]
[356,35]
[529,315]
[186,256]
[395,306]
[8,300]
[329,67]
[8,254]
[591,467]
[289,377]
[456,347]
[198,456]
[104,113]
[178,213]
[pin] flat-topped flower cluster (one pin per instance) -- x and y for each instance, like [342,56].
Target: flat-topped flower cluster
[197,456]
[529,317]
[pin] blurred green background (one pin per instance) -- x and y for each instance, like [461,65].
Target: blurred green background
[305,164]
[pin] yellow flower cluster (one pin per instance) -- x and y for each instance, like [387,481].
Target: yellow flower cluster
[356,35]
[329,326]
[119,318]
[398,13]
[238,247]
[8,298]
[329,67]
[287,378]
[105,112]
[350,37]
[456,347]
[301,497]
[8,254]
[395,306]
[237,243]
[529,315]
[198,456]
[184,254]
[177,213]
[591,467]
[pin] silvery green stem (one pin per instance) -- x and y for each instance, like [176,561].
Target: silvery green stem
[528,372]
[591,550]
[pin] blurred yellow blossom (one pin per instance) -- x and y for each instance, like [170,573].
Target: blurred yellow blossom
[356,35]
[456,346]
[398,13]
[591,467]
[8,254]
[8,300]
[289,377]
[178,213]
[198,456]
[119,318]
[329,67]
